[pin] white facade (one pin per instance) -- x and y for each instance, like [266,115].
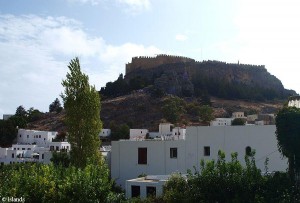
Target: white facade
[295,103]
[165,128]
[105,133]
[138,134]
[221,122]
[252,118]
[238,115]
[145,186]
[129,159]
[40,138]
[32,146]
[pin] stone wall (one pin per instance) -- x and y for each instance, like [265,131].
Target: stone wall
[145,62]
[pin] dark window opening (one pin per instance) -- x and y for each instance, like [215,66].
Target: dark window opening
[151,191]
[42,156]
[173,153]
[142,156]
[248,151]
[206,151]
[12,155]
[135,191]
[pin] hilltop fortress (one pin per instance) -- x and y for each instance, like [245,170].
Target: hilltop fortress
[146,62]
[185,76]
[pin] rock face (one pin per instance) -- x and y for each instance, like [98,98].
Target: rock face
[183,76]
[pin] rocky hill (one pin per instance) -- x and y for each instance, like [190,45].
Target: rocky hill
[183,76]
[141,110]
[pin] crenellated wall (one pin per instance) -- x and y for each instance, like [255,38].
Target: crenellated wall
[146,62]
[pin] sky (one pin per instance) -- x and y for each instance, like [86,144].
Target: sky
[38,38]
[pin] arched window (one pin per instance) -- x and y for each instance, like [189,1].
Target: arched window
[248,151]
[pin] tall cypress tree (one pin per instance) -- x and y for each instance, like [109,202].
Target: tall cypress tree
[82,106]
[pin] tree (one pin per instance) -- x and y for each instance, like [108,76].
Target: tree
[21,112]
[173,108]
[34,114]
[82,105]
[206,113]
[55,106]
[288,137]
[238,121]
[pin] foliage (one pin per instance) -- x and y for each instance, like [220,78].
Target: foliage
[238,121]
[55,106]
[288,136]
[8,132]
[21,111]
[61,158]
[122,87]
[82,105]
[175,189]
[221,181]
[48,183]
[173,108]
[206,113]
[34,114]
[119,131]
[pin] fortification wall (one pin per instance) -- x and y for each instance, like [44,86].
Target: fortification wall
[145,62]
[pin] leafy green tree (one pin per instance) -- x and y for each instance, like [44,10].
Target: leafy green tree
[50,183]
[21,111]
[238,121]
[55,106]
[8,132]
[173,108]
[34,114]
[82,105]
[119,132]
[61,158]
[288,137]
[206,114]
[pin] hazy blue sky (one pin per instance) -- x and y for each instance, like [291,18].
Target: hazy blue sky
[38,38]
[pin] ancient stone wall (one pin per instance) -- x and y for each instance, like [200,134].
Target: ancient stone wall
[145,62]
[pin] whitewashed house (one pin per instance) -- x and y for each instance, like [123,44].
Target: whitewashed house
[143,187]
[294,101]
[130,158]
[221,122]
[33,146]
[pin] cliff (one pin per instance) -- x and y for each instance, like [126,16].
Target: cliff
[184,76]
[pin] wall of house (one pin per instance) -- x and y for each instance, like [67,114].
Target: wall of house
[231,139]
[262,139]
[143,184]
[124,159]
[138,133]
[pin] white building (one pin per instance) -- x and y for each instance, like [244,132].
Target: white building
[104,133]
[238,115]
[138,134]
[150,185]
[221,122]
[129,159]
[32,146]
[294,101]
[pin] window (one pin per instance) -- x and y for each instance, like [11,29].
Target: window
[142,156]
[57,148]
[12,155]
[28,148]
[135,191]
[206,151]
[151,191]
[42,156]
[23,148]
[20,135]
[173,153]
[27,136]
[44,138]
[248,151]
[39,136]
[51,148]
